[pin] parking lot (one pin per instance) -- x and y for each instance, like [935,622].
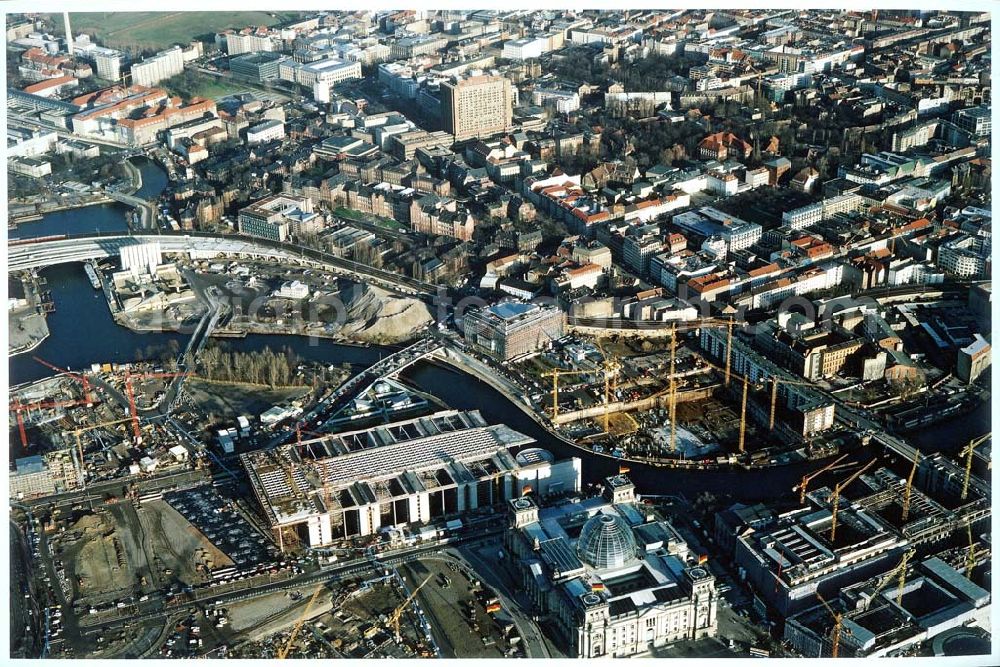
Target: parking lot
[223,526]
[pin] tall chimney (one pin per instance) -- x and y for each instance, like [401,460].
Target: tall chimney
[69,34]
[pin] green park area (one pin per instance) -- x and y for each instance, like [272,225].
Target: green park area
[157,30]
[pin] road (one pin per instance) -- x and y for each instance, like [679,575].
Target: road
[24,611]
[155,609]
[534,645]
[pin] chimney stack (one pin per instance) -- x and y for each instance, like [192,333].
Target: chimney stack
[69,34]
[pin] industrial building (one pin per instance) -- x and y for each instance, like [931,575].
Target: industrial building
[615,579]
[44,475]
[512,329]
[408,472]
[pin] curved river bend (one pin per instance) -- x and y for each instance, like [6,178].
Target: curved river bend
[83,333]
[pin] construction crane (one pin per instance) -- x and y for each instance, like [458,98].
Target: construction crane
[970,559]
[398,612]
[902,576]
[909,485]
[20,408]
[77,432]
[743,414]
[283,653]
[130,392]
[673,389]
[88,397]
[888,577]
[838,619]
[611,368]
[836,497]
[775,381]
[967,452]
[20,423]
[804,484]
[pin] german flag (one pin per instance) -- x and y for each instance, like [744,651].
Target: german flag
[526,489]
[597,586]
[493,607]
[623,469]
[702,559]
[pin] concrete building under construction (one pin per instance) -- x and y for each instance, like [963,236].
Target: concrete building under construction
[408,472]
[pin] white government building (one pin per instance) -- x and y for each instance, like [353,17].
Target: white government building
[399,474]
[615,579]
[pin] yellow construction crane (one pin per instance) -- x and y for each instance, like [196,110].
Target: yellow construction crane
[970,559]
[729,349]
[902,576]
[394,618]
[836,497]
[555,374]
[77,432]
[611,367]
[804,484]
[743,414]
[838,619]
[909,485]
[774,396]
[889,575]
[298,624]
[968,460]
[673,389]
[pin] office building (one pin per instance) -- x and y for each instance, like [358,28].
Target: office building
[973,359]
[975,120]
[163,65]
[404,473]
[278,217]
[877,622]
[791,558]
[258,67]
[512,329]
[479,106]
[269,130]
[615,580]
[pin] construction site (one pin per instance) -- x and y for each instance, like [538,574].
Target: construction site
[666,400]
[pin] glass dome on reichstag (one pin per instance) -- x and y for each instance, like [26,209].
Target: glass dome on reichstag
[606,541]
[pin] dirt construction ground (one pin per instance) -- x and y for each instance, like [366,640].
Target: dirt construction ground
[177,545]
[227,401]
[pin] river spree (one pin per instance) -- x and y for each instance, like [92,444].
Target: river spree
[83,333]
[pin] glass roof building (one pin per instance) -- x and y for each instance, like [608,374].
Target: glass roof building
[616,579]
[605,542]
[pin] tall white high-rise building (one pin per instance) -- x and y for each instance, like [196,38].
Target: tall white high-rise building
[163,65]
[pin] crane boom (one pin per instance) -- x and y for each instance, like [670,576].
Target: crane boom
[804,484]
[398,612]
[673,389]
[909,485]
[836,497]
[835,633]
[298,624]
[968,461]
